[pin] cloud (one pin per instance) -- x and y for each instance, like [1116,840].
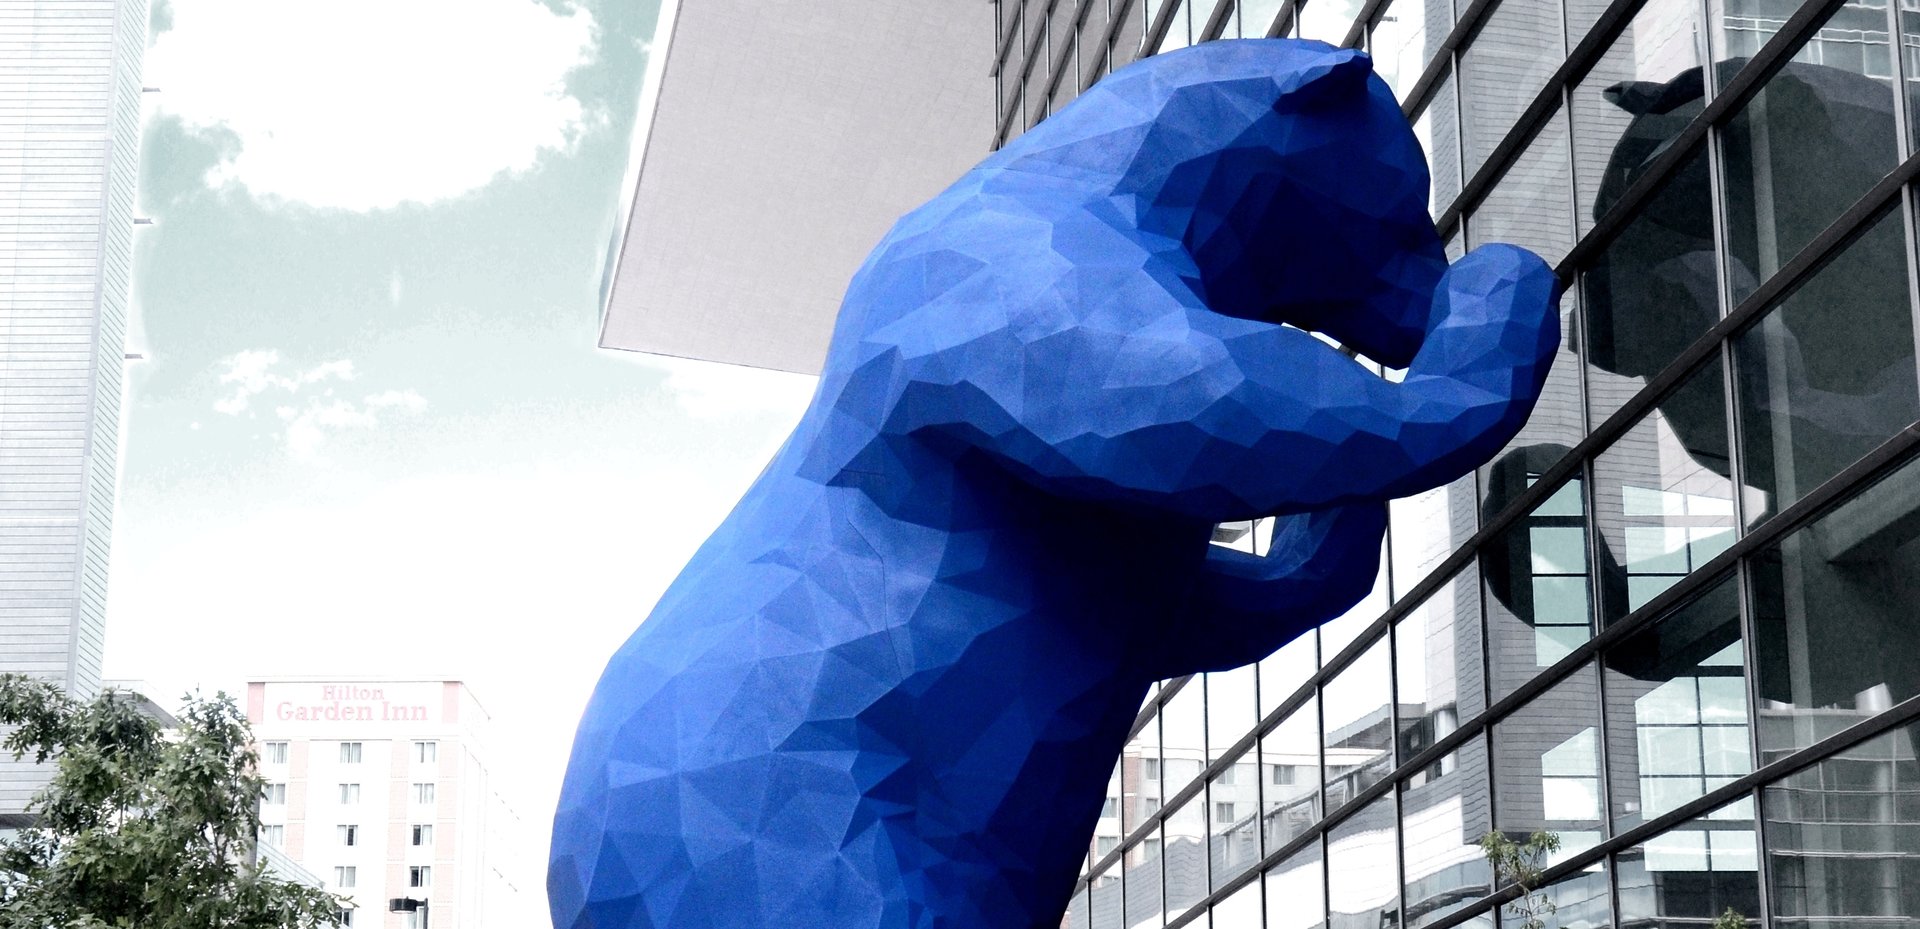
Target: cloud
[251,374]
[365,104]
[308,424]
[710,390]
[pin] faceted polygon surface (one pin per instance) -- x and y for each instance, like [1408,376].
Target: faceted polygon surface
[888,690]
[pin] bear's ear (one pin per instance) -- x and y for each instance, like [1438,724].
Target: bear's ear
[1335,77]
[1656,97]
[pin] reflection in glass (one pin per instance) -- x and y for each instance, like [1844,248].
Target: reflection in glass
[1233,820]
[1843,838]
[1179,30]
[1232,710]
[1184,854]
[1328,20]
[1405,38]
[1140,777]
[1693,873]
[1093,46]
[1536,577]
[1834,625]
[1532,203]
[1557,424]
[1425,528]
[1109,829]
[1144,904]
[1183,736]
[1437,655]
[1078,914]
[1652,293]
[1623,115]
[1296,895]
[1502,69]
[1547,765]
[1356,706]
[1337,634]
[1108,899]
[1579,901]
[1240,911]
[1677,704]
[1257,16]
[1829,374]
[1126,40]
[1662,498]
[1290,777]
[1287,670]
[1438,130]
[1362,887]
[1820,134]
[1444,811]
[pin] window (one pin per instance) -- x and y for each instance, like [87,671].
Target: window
[349,793]
[1105,845]
[1284,775]
[343,918]
[425,752]
[1111,808]
[274,835]
[1223,812]
[420,876]
[273,753]
[1227,775]
[1150,768]
[345,876]
[423,834]
[349,835]
[273,795]
[350,752]
[423,793]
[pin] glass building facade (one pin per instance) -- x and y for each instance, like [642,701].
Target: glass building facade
[69,159]
[1677,621]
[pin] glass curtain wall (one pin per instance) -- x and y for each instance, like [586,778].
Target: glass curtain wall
[1672,625]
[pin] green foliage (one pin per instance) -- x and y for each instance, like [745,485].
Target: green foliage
[1731,919]
[1520,864]
[141,828]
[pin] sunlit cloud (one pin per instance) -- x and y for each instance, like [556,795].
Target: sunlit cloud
[252,373]
[308,420]
[365,104]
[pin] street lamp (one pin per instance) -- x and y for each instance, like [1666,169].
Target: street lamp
[408,905]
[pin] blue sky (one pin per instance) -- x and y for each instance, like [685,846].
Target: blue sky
[372,433]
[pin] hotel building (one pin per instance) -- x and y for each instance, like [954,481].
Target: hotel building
[382,790]
[1674,624]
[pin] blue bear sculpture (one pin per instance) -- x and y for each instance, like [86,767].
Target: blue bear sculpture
[888,691]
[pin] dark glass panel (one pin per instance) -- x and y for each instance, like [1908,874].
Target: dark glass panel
[1558,424]
[1833,612]
[1829,374]
[1624,113]
[1843,838]
[1662,498]
[1677,708]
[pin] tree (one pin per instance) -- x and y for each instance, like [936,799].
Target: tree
[140,827]
[1521,865]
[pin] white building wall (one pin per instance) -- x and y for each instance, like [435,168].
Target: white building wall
[69,158]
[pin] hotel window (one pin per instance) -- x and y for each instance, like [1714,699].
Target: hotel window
[345,876]
[1150,768]
[274,835]
[1223,812]
[423,834]
[1283,775]
[423,793]
[426,752]
[349,835]
[273,752]
[343,919]
[420,875]
[350,752]
[349,793]
[273,795]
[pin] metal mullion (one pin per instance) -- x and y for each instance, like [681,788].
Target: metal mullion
[1724,105]
[1913,273]
[1157,30]
[1363,22]
[1467,23]
[1549,100]
[1060,59]
[1216,22]
[1750,657]
[1902,713]
[1902,112]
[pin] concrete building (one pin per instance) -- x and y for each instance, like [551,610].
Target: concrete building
[69,157]
[382,789]
[1671,623]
